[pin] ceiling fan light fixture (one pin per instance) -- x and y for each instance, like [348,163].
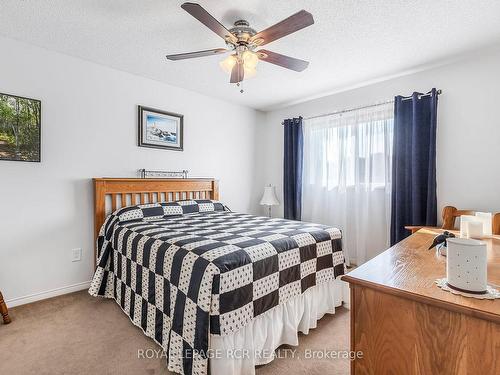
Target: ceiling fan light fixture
[228,63]
[249,72]
[250,59]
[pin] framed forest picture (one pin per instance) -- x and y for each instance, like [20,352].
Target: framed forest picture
[20,128]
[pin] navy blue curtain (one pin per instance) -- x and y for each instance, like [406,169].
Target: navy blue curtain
[292,168]
[414,163]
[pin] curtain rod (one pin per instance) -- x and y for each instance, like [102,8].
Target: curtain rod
[439,92]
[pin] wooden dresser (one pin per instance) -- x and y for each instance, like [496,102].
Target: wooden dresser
[404,324]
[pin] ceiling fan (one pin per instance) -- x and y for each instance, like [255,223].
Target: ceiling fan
[242,41]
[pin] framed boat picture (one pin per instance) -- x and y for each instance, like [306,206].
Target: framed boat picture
[20,128]
[160,129]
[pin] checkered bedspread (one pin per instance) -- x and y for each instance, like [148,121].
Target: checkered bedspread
[186,269]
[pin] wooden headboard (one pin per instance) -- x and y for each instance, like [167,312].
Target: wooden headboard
[111,194]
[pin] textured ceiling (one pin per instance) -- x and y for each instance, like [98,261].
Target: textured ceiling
[351,41]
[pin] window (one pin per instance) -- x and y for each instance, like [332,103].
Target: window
[349,149]
[347,176]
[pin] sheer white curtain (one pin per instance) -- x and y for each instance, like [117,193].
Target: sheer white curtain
[347,177]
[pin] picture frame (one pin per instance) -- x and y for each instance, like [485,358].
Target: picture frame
[20,128]
[160,129]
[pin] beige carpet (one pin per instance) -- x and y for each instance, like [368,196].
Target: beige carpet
[79,334]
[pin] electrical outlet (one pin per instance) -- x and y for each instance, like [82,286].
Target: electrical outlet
[76,255]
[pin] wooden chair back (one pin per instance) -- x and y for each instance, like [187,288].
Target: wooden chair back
[496,224]
[450,214]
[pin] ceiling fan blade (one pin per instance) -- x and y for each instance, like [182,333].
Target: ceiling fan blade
[289,25]
[191,55]
[237,73]
[282,60]
[198,12]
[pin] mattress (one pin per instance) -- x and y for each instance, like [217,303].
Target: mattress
[186,271]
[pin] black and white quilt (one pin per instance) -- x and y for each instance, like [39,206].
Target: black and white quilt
[184,270]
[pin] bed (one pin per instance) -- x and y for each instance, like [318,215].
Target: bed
[219,291]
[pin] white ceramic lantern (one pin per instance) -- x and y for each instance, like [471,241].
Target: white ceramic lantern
[466,265]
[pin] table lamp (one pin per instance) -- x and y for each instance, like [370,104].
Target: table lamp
[269,198]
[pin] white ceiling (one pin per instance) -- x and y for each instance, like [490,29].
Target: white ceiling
[351,41]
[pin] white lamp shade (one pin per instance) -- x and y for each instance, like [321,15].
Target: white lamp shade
[269,197]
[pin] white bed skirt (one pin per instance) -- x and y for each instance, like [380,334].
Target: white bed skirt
[254,344]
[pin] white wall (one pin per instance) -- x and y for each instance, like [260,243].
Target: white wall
[89,130]
[468,169]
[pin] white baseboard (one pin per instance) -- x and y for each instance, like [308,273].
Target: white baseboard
[47,294]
